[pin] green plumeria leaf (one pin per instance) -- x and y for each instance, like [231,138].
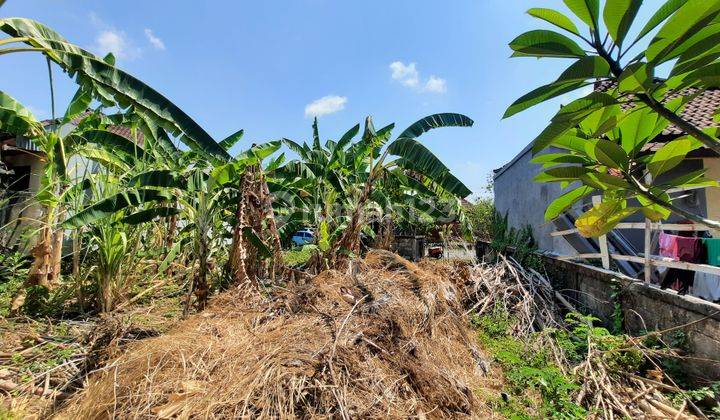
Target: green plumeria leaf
[607,153]
[556,18]
[544,43]
[587,10]
[563,173]
[669,156]
[619,16]
[565,201]
[664,12]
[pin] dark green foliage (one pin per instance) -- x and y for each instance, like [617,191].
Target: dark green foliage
[481,214]
[518,243]
[616,353]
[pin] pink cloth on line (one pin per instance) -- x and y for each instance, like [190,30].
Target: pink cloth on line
[679,248]
[666,245]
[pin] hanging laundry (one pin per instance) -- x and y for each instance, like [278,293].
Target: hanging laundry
[680,248]
[713,250]
[706,286]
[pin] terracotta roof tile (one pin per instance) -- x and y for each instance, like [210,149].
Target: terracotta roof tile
[699,111]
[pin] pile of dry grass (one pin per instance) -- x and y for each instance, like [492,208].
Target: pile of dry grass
[386,339]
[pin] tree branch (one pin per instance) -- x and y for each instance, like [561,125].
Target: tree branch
[645,192]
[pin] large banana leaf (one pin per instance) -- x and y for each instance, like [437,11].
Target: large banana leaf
[109,160]
[109,81]
[113,204]
[435,121]
[112,142]
[158,178]
[302,151]
[420,159]
[264,251]
[231,140]
[158,139]
[144,216]
[16,119]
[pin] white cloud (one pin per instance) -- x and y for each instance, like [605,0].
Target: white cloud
[435,85]
[154,40]
[111,40]
[409,76]
[326,105]
[405,74]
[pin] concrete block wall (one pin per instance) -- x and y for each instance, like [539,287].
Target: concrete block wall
[645,309]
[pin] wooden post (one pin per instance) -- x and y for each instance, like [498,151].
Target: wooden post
[648,240]
[602,240]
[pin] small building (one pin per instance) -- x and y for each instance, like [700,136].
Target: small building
[525,201]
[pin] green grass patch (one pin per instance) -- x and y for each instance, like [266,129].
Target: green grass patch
[297,257]
[536,386]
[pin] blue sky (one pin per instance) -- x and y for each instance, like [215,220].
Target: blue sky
[266,66]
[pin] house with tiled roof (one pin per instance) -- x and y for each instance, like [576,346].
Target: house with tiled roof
[525,201]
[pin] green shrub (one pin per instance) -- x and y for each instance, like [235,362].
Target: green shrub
[519,243]
[13,272]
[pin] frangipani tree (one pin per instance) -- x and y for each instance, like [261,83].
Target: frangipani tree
[603,133]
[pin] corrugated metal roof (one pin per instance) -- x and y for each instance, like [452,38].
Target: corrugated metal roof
[22,142]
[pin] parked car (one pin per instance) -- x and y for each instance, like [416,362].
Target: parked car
[303,237]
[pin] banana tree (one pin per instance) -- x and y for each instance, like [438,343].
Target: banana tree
[201,196]
[348,173]
[605,130]
[107,83]
[56,151]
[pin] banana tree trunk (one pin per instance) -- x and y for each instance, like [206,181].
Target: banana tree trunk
[202,291]
[77,244]
[107,294]
[350,239]
[238,251]
[54,278]
[269,216]
[39,270]
[254,215]
[42,253]
[386,235]
[171,230]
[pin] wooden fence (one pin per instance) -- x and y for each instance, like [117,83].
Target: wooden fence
[649,261]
